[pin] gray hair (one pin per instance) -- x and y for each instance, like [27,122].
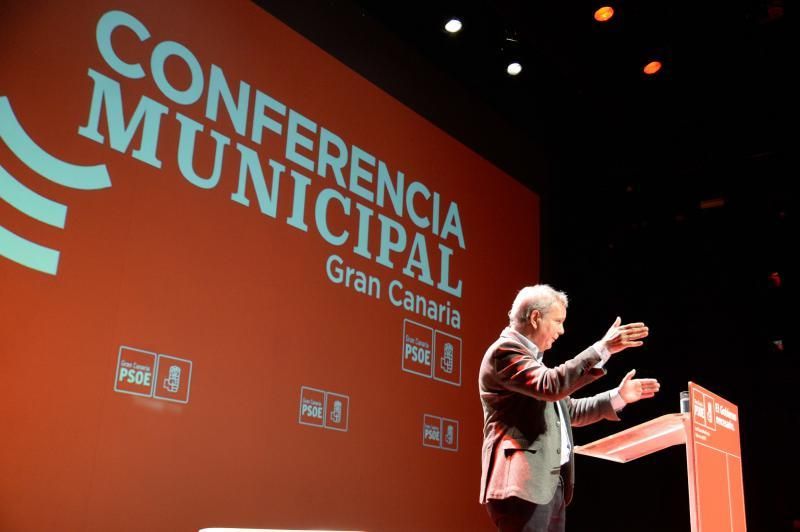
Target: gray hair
[538,297]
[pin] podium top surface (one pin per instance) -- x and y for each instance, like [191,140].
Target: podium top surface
[638,441]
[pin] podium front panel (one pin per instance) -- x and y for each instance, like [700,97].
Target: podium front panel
[714,452]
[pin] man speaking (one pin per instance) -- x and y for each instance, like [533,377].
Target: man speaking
[527,461]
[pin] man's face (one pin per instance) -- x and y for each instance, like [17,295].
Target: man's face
[548,326]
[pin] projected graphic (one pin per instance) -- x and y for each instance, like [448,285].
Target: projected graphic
[424,346]
[323,409]
[439,432]
[141,372]
[312,407]
[338,408]
[26,201]
[277,224]
[447,358]
[173,382]
[447,351]
[173,379]
[417,348]
[135,370]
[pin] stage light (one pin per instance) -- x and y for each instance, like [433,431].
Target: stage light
[604,14]
[652,67]
[775,279]
[453,25]
[512,52]
[514,68]
[774,10]
[713,203]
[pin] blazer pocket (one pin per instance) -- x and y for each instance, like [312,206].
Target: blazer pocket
[510,447]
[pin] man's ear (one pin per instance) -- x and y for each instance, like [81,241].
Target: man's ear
[535,316]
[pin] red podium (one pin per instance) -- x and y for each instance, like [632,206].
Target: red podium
[710,431]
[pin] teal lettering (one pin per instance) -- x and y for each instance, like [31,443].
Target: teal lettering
[186,151]
[413,189]
[261,120]
[218,89]
[394,189]
[321,215]
[452,224]
[364,215]
[418,258]
[107,95]
[250,166]
[444,273]
[326,159]
[301,183]
[161,53]
[357,173]
[105,27]
[294,138]
[389,226]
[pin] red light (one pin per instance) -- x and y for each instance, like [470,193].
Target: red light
[652,67]
[604,14]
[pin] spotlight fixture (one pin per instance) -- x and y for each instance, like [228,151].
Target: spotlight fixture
[512,52]
[604,14]
[453,25]
[514,68]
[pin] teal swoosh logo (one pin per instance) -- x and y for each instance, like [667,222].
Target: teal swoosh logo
[15,247]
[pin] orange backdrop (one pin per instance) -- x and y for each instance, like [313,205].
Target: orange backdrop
[191,360]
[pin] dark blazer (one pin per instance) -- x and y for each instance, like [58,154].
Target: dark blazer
[521,435]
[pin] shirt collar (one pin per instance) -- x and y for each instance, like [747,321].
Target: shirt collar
[537,354]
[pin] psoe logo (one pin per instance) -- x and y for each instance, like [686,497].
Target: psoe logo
[417,349]
[18,248]
[323,409]
[173,379]
[447,354]
[149,374]
[704,407]
[431,353]
[439,432]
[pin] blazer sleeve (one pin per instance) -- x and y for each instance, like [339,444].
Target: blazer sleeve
[588,410]
[516,370]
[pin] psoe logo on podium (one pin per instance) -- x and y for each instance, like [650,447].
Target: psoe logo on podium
[704,409]
[173,379]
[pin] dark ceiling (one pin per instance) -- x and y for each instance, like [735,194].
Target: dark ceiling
[695,161]
[721,97]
